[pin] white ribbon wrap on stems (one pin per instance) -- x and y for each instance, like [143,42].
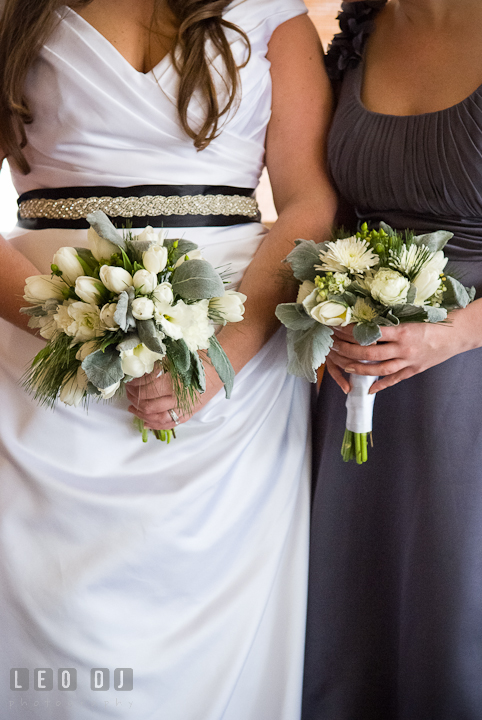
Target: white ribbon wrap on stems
[359,404]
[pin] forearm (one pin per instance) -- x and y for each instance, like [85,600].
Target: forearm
[14,268]
[268,282]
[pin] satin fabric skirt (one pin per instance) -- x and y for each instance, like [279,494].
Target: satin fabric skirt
[186,563]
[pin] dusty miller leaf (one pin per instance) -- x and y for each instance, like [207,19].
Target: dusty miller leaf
[294,316]
[103,227]
[150,336]
[366,333]
[307,350]
[103,369]
[304,257]
[196,280]
[221,364]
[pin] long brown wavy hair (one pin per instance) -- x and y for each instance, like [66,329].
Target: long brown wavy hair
[27,24]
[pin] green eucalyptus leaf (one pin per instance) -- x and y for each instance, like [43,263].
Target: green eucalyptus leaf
[434,241]
[304,257]
[366,333]
[221,364]
[150,336]
[103,369]
[103,227]
[307,350]
[196,280]
[294,316]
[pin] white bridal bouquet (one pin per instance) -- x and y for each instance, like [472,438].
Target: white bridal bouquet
[126,306]
[373,279]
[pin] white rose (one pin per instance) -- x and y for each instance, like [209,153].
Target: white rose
[72,391]
[389,287]
[85,321]
[142,308]
[110,391]
[107,316]
[115,279]
[67,261]
[40,288]
[88,289]
[86,349]
[331,313]
[192,255]
[155,259]
[306,288]
[229,306]
[139,361]
[100,248]
[428,279]
[144,281]
[150,235]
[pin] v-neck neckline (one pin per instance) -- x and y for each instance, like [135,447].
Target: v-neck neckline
[114,50]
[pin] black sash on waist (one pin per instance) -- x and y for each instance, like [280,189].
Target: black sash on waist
[138,206]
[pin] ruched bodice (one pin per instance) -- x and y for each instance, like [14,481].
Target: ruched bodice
[428,167]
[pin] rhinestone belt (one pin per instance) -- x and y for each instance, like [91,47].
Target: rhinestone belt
[159,205]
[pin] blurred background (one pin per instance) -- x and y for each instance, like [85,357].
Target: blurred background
[322,12]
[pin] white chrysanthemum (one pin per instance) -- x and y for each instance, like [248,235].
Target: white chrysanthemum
[351,255]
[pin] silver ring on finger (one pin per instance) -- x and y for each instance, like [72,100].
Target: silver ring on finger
[174,416]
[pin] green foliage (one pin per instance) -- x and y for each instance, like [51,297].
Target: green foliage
[196,280]
[304,257]
[150,335]
[307,350]
[221,364]
[103,368]
[366,333]
[294,316]
[51,367]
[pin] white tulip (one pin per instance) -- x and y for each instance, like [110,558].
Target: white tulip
[68,263]
[150,235]
[192,255]
[139,361]
[88,289]
[155,259]
[142,308]
[115,279]
[332,313]
[428,279]
[100,248]
[389,287]
[163,294]
[229,306]
[108,392]
[40,288]
[107,316]
[144,281]
[73,391]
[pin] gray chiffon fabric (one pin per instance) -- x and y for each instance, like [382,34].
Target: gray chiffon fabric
[395,603]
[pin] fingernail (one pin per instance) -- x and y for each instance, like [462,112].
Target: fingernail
[350,370]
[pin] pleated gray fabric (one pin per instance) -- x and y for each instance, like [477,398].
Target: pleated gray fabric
[395,603]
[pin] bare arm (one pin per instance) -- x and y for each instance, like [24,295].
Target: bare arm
[14,268]
[295,156]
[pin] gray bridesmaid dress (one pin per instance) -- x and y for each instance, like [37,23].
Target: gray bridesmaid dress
[395,600]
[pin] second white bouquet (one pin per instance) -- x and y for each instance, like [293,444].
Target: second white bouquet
[373,279]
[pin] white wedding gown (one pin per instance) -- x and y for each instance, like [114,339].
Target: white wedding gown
[187,562]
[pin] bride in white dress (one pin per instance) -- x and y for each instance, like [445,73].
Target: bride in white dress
[180,569]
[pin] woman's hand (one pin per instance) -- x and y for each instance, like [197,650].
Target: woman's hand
[405,350]
[153,400]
